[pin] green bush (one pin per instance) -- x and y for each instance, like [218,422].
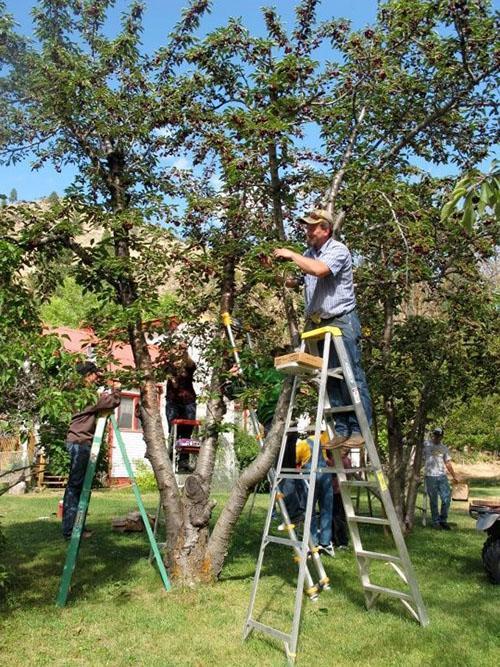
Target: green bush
[246,448]
[473,426]
[145,477]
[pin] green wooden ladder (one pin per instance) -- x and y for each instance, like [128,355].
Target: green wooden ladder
[76,535]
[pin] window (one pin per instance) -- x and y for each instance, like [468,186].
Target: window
[127,419]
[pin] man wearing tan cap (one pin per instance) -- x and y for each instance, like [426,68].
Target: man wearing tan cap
[330,301]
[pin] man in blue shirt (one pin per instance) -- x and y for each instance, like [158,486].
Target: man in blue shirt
[330,301]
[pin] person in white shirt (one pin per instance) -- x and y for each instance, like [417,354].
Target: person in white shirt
[437,461]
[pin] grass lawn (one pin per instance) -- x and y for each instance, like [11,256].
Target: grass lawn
[118,613]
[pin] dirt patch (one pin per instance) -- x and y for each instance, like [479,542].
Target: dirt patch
[477,470]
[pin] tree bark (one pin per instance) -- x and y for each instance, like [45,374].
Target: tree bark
[252,475]
[277,200]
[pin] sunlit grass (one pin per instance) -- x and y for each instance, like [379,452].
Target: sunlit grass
[118,613]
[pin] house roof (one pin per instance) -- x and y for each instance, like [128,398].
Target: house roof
[81,341]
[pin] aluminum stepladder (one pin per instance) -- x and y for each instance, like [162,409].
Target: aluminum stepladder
[411,598]
[310,588]
[83,504]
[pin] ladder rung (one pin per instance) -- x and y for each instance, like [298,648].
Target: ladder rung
[269,630]
[284,540]
[369,519]
[375,555]
[294,475]
[348,471]
[339,409]
[359,482]
[294,429]
[388,591]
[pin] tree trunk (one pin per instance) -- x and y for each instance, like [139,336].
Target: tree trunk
[190,562]
[277,200]
[415,465]
[252,475]
[396,471]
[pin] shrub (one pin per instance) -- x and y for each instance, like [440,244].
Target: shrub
[246,449]
[145,477]
[474,425]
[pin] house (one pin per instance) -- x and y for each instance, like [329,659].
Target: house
[83,341]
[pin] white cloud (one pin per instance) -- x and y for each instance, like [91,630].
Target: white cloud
[183,164]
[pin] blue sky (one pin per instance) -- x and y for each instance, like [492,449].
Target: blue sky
[160,17]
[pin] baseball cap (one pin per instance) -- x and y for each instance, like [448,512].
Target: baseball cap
[86,368]
[317,215]
[438,430]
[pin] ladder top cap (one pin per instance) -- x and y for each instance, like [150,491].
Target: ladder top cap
[321,333]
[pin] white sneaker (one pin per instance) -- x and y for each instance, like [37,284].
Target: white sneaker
[328,549]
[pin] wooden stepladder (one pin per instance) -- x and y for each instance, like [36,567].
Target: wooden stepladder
[76,535]
[308,365]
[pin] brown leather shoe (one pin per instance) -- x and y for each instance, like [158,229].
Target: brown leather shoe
[335,442]
[354,441]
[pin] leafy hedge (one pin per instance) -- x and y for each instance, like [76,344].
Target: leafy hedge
[474,426]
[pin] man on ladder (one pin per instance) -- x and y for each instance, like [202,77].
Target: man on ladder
[330,301]
[333,329]
[79,442]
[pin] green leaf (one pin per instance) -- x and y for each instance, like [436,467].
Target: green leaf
[486,193]
[468,215]
[447,210]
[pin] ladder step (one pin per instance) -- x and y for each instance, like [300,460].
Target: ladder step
[348,471]
[388,591]
[375,555]
[293,475]
[359,482]
[297,544]
[369,519]
[339,409]
[269,630]
[294,429]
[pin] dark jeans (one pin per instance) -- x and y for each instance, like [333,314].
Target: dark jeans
[339,524]
[180,411]
[79,455]
[345,424]
[295,497]
[323,496]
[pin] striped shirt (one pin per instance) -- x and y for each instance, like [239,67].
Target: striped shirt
[333,295]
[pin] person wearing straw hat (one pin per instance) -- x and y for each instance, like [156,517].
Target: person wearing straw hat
[330,301]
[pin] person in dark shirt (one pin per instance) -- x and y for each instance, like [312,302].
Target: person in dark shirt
[79,441]
[181,396]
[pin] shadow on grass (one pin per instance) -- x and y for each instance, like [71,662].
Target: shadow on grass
[37,554]
[448,569]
